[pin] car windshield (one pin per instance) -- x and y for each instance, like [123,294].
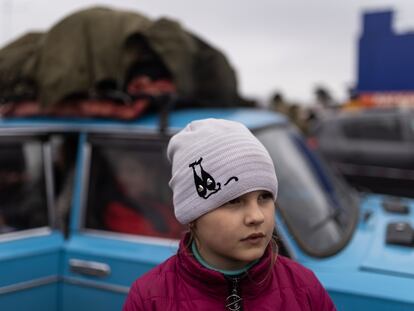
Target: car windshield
[320,210]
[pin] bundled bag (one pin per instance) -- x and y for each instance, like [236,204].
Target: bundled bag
[100,62]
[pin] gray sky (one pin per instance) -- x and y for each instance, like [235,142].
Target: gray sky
[289,46]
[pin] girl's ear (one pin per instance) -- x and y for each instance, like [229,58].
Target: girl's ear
[192,225]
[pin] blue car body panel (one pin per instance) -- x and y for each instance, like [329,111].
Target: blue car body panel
[366,274]
[127,259]
[252,118]
[29,270]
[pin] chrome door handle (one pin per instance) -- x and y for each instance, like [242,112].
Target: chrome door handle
[89,268]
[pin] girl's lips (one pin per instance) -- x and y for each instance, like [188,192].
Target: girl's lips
[254,237]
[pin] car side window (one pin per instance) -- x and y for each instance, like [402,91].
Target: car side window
[411,125]
[374,128]
[23,203]
[129,192]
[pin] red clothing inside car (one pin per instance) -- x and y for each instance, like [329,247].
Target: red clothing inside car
[124,219]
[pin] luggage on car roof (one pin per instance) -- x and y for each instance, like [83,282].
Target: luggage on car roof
[104,54]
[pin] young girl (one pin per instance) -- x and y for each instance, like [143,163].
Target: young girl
[224,186]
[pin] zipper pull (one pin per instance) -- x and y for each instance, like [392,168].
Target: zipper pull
[234,301]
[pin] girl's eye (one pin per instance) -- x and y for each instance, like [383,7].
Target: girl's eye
[266,196]
[234,201]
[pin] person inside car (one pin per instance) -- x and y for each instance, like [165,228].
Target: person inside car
[126,196]
[224,188]
[137,206]
[22,205]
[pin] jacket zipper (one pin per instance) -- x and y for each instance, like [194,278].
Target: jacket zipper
[234,301]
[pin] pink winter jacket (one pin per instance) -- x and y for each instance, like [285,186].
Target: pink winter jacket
[181,283]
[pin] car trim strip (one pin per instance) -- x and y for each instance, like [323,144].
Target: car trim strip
[131,237]
[70,280]
[28,284]
[23,234]
[103,286]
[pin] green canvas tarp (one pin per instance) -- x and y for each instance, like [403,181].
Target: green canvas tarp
[102,45]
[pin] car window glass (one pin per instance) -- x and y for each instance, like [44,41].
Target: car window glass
[374,128]
[317,213]
[23,203]
[411,123]
[129,192]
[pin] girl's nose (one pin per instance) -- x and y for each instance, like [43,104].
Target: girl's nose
[254,214]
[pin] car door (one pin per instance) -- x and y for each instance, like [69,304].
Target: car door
[122,221]
[29,245]
[407,121]
[377,140]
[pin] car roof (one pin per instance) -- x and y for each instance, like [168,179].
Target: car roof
[253,118]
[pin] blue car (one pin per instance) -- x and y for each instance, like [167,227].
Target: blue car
[85,209]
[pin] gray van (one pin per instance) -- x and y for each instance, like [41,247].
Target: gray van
[373,149]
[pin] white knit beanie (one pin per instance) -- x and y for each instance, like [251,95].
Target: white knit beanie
[215,161]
